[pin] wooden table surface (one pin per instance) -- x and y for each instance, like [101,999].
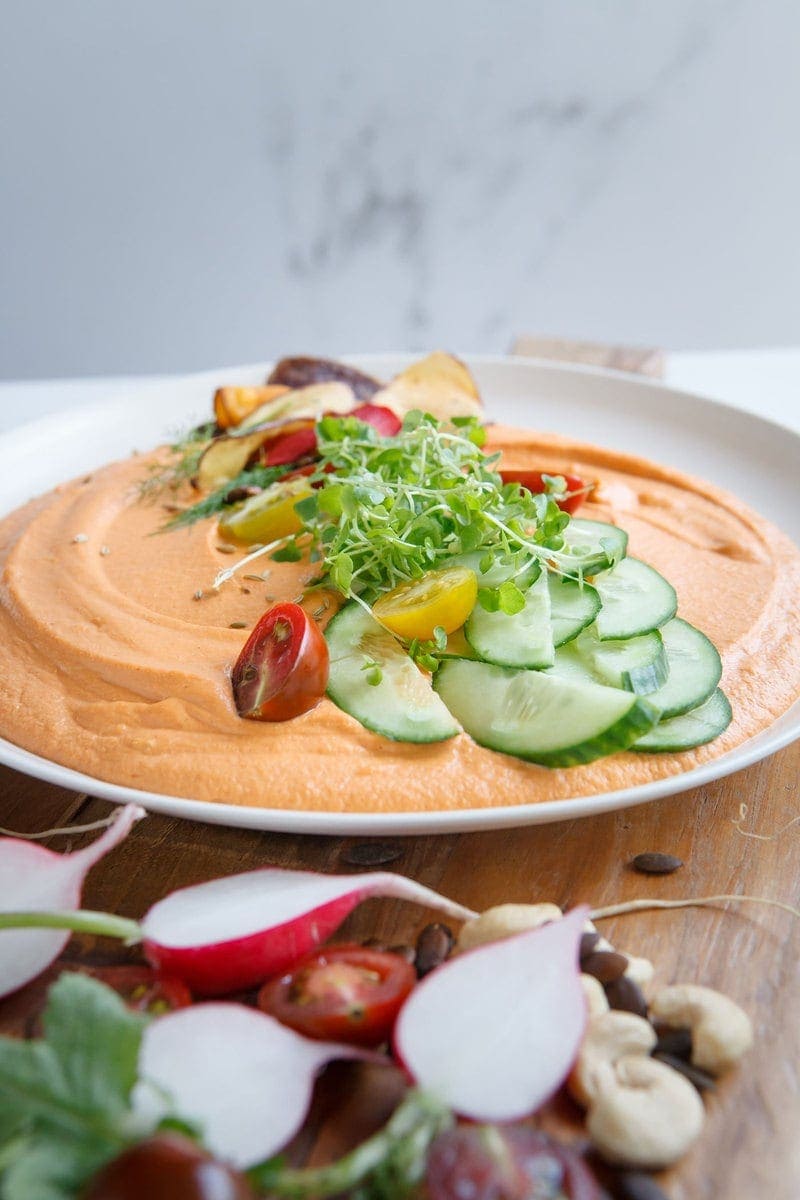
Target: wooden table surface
[750,1147]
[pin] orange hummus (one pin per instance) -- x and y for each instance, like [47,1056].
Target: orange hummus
[110,665]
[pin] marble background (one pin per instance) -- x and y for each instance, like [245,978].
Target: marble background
[187,184]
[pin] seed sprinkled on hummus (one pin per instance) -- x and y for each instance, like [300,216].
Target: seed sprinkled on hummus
[81,537]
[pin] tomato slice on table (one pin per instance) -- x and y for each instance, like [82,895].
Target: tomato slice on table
[143,989]
[442,599]
[343,993]
[282,670]
[571,500]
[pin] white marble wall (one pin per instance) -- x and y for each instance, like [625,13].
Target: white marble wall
[186,184]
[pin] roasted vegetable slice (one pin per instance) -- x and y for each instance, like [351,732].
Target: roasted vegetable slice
[233,404]
[299,372]
[226,457]
[310,401]
[439,384]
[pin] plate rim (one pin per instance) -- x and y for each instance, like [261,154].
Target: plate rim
[328,822]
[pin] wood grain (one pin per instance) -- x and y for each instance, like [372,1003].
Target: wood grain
[750,1146]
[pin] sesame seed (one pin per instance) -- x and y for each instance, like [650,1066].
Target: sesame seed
[104,550]
[198,595]
[226,549]
[81,537]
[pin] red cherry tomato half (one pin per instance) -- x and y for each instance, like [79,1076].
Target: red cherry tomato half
[291,447]
[282,670]
[577,489]
[386,422]
[143,989]
[167,1167]
[341,993]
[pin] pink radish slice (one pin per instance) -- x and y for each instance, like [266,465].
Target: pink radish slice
[493,1032]
[237,931]
[237,1073]
[33,879]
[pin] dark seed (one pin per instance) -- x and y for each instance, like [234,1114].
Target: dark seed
[588,942]
[406,952]
[652,862]
[635,1185]
[605,965]
[675,1042]
[701,1079]
[627,996]
[241,493]
[433,947]
[372,854]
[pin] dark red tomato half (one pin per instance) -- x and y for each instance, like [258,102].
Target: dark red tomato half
[386,422]
[577,489]
[282,670]
[292,447]
[167,1167]
[143,989]
[341,993]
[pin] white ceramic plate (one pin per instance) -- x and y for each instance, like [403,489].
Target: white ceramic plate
[756,459]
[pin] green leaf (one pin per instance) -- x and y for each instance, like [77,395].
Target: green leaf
[510,599]
[489,599]
[68,1091]
[291,552]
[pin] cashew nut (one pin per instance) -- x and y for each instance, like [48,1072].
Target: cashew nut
[596,1000]
[721,1031]
[611,1036]
[644,1114]
[503,921]
[639,970]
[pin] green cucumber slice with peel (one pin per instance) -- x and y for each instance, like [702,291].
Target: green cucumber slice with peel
[538,717]
[522,639]
[695,669]
[635,599]
[403,705]
[694,728]
[637,664]
[573,606]
[591,546]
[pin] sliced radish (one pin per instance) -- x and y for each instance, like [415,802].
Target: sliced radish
[237,1073]
[33,879]
[493,1032]
[235,932]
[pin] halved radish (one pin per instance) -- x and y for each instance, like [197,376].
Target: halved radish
[33,880]
[237,931]
[243,1078]
[494,1032]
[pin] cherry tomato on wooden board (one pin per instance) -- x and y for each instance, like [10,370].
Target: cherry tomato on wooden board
[577,489]
[167,1167]
[343,993]
[282,670]
[143,989]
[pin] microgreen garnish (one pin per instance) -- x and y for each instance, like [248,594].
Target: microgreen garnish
[390,509]
[374,674]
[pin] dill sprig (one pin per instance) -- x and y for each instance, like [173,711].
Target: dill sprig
[217,501]
[185,452]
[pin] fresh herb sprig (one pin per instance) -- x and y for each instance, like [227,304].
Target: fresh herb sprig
[217,501]
[185,454]
[388,510]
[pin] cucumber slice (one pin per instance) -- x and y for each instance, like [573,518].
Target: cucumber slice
[402,706]
[591,546]
[572,607]
[695,669]
[524,639]
[636,664]
[539,717]
[635,599]
[694,728]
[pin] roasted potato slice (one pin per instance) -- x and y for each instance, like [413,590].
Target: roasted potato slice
[439,384]
[233,404]
[226,457]
[310,401]
[299,372]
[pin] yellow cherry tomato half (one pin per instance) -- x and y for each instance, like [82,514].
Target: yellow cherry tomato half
[268,516]
[439,598]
